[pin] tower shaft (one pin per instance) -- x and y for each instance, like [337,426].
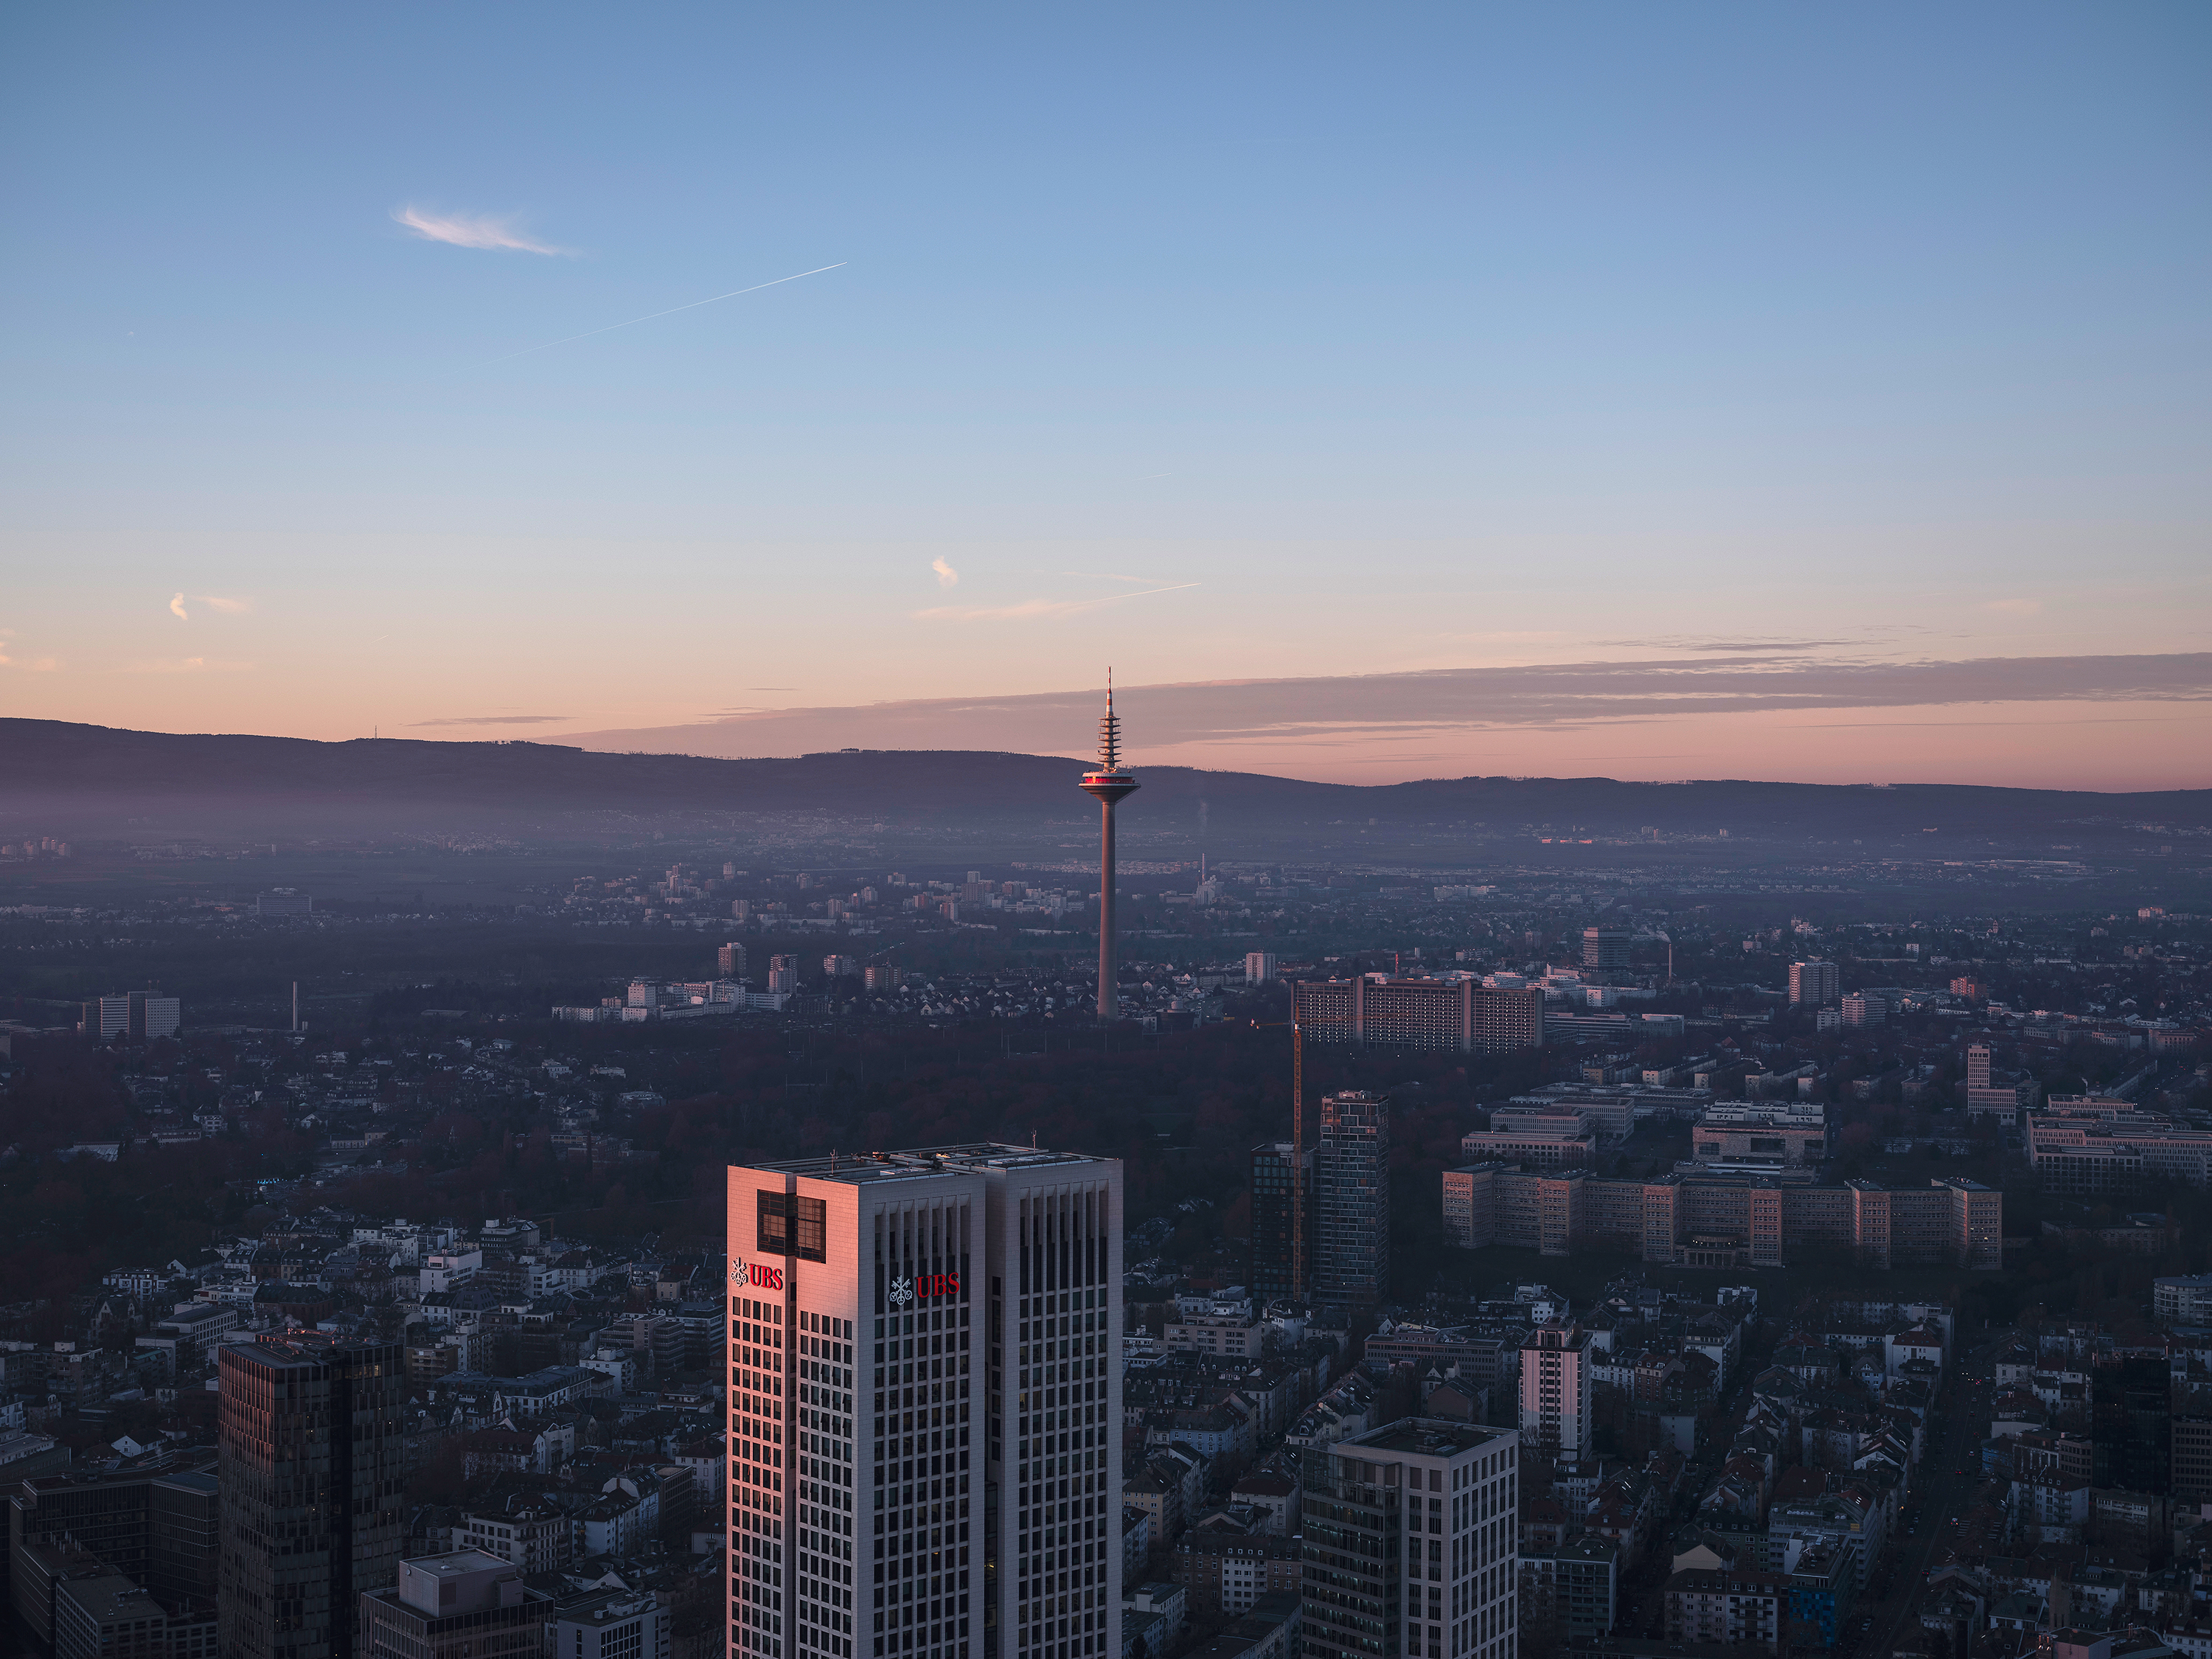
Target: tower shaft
[1109,991]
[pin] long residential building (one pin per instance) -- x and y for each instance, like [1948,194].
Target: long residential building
[1459,1012]
[2102,1147]
[1724,1221]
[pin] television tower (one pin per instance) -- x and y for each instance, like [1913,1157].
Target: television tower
[1108,785]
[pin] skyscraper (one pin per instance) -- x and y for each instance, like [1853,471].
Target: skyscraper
[1412,1542]
[1555,1396]
[312,1469]
[1273,1208]
[926,1405]
[1606,947]
[1351,1189]
[1108,785]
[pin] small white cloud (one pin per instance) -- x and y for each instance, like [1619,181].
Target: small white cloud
[2016,607]
[176,609]
[946,575]
[478,230]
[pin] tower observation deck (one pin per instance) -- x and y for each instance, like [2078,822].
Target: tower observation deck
[1108,785]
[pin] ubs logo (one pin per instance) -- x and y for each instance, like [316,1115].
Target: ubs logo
[758,1274]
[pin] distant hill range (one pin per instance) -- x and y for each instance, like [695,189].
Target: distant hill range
[94,782]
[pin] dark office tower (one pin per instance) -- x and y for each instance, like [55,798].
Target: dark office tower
[1605,947]
[1271,1217]
[312,1469]
[1108,785]
[925,1393]
[1352,1187]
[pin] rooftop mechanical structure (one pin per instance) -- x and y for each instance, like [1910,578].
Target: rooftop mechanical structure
[1108,785]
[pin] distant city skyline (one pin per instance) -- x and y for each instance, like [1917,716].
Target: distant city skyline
[361,388]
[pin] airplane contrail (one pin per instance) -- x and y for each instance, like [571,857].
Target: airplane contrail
[671,312]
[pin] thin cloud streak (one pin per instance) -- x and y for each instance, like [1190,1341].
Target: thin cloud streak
[472,230]
[568,339]
[1032,608]
[1328,711]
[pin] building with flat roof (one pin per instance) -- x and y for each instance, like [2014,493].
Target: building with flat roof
[312,1466]
[1815,984]
[1411,1542]
[1457,1012]
[1725,1220]
[1274,1203]
[466,1604]
[924,1354]
[106,1616]
[1351,1224]
[1555,1391]
[2089,1149]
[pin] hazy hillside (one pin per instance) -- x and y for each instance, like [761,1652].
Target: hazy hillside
[95,781]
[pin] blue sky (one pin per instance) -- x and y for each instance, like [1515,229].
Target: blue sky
[1254,343]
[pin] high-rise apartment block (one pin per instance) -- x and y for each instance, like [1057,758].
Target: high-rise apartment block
[1555,1393]
[730,960]
[1276,1166]
[1459,1013]
[1412,1543]
[782,974]
[926,1405]
[313,1471]
[1606,947]
[1259,967]
[1350,1220]
[1814,985]
[140,1015]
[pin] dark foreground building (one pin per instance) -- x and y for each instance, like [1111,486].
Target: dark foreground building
[312,1475]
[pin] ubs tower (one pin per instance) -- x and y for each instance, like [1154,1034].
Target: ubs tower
[926,1405]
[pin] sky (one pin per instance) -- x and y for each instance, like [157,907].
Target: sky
[1725,390]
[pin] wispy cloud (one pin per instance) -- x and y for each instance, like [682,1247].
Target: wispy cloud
[476,230]
[187,665]
[2014,607]
[495,720]
[946,575]
[1353,709]
[1029,609]
[225,604]
[9,659]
